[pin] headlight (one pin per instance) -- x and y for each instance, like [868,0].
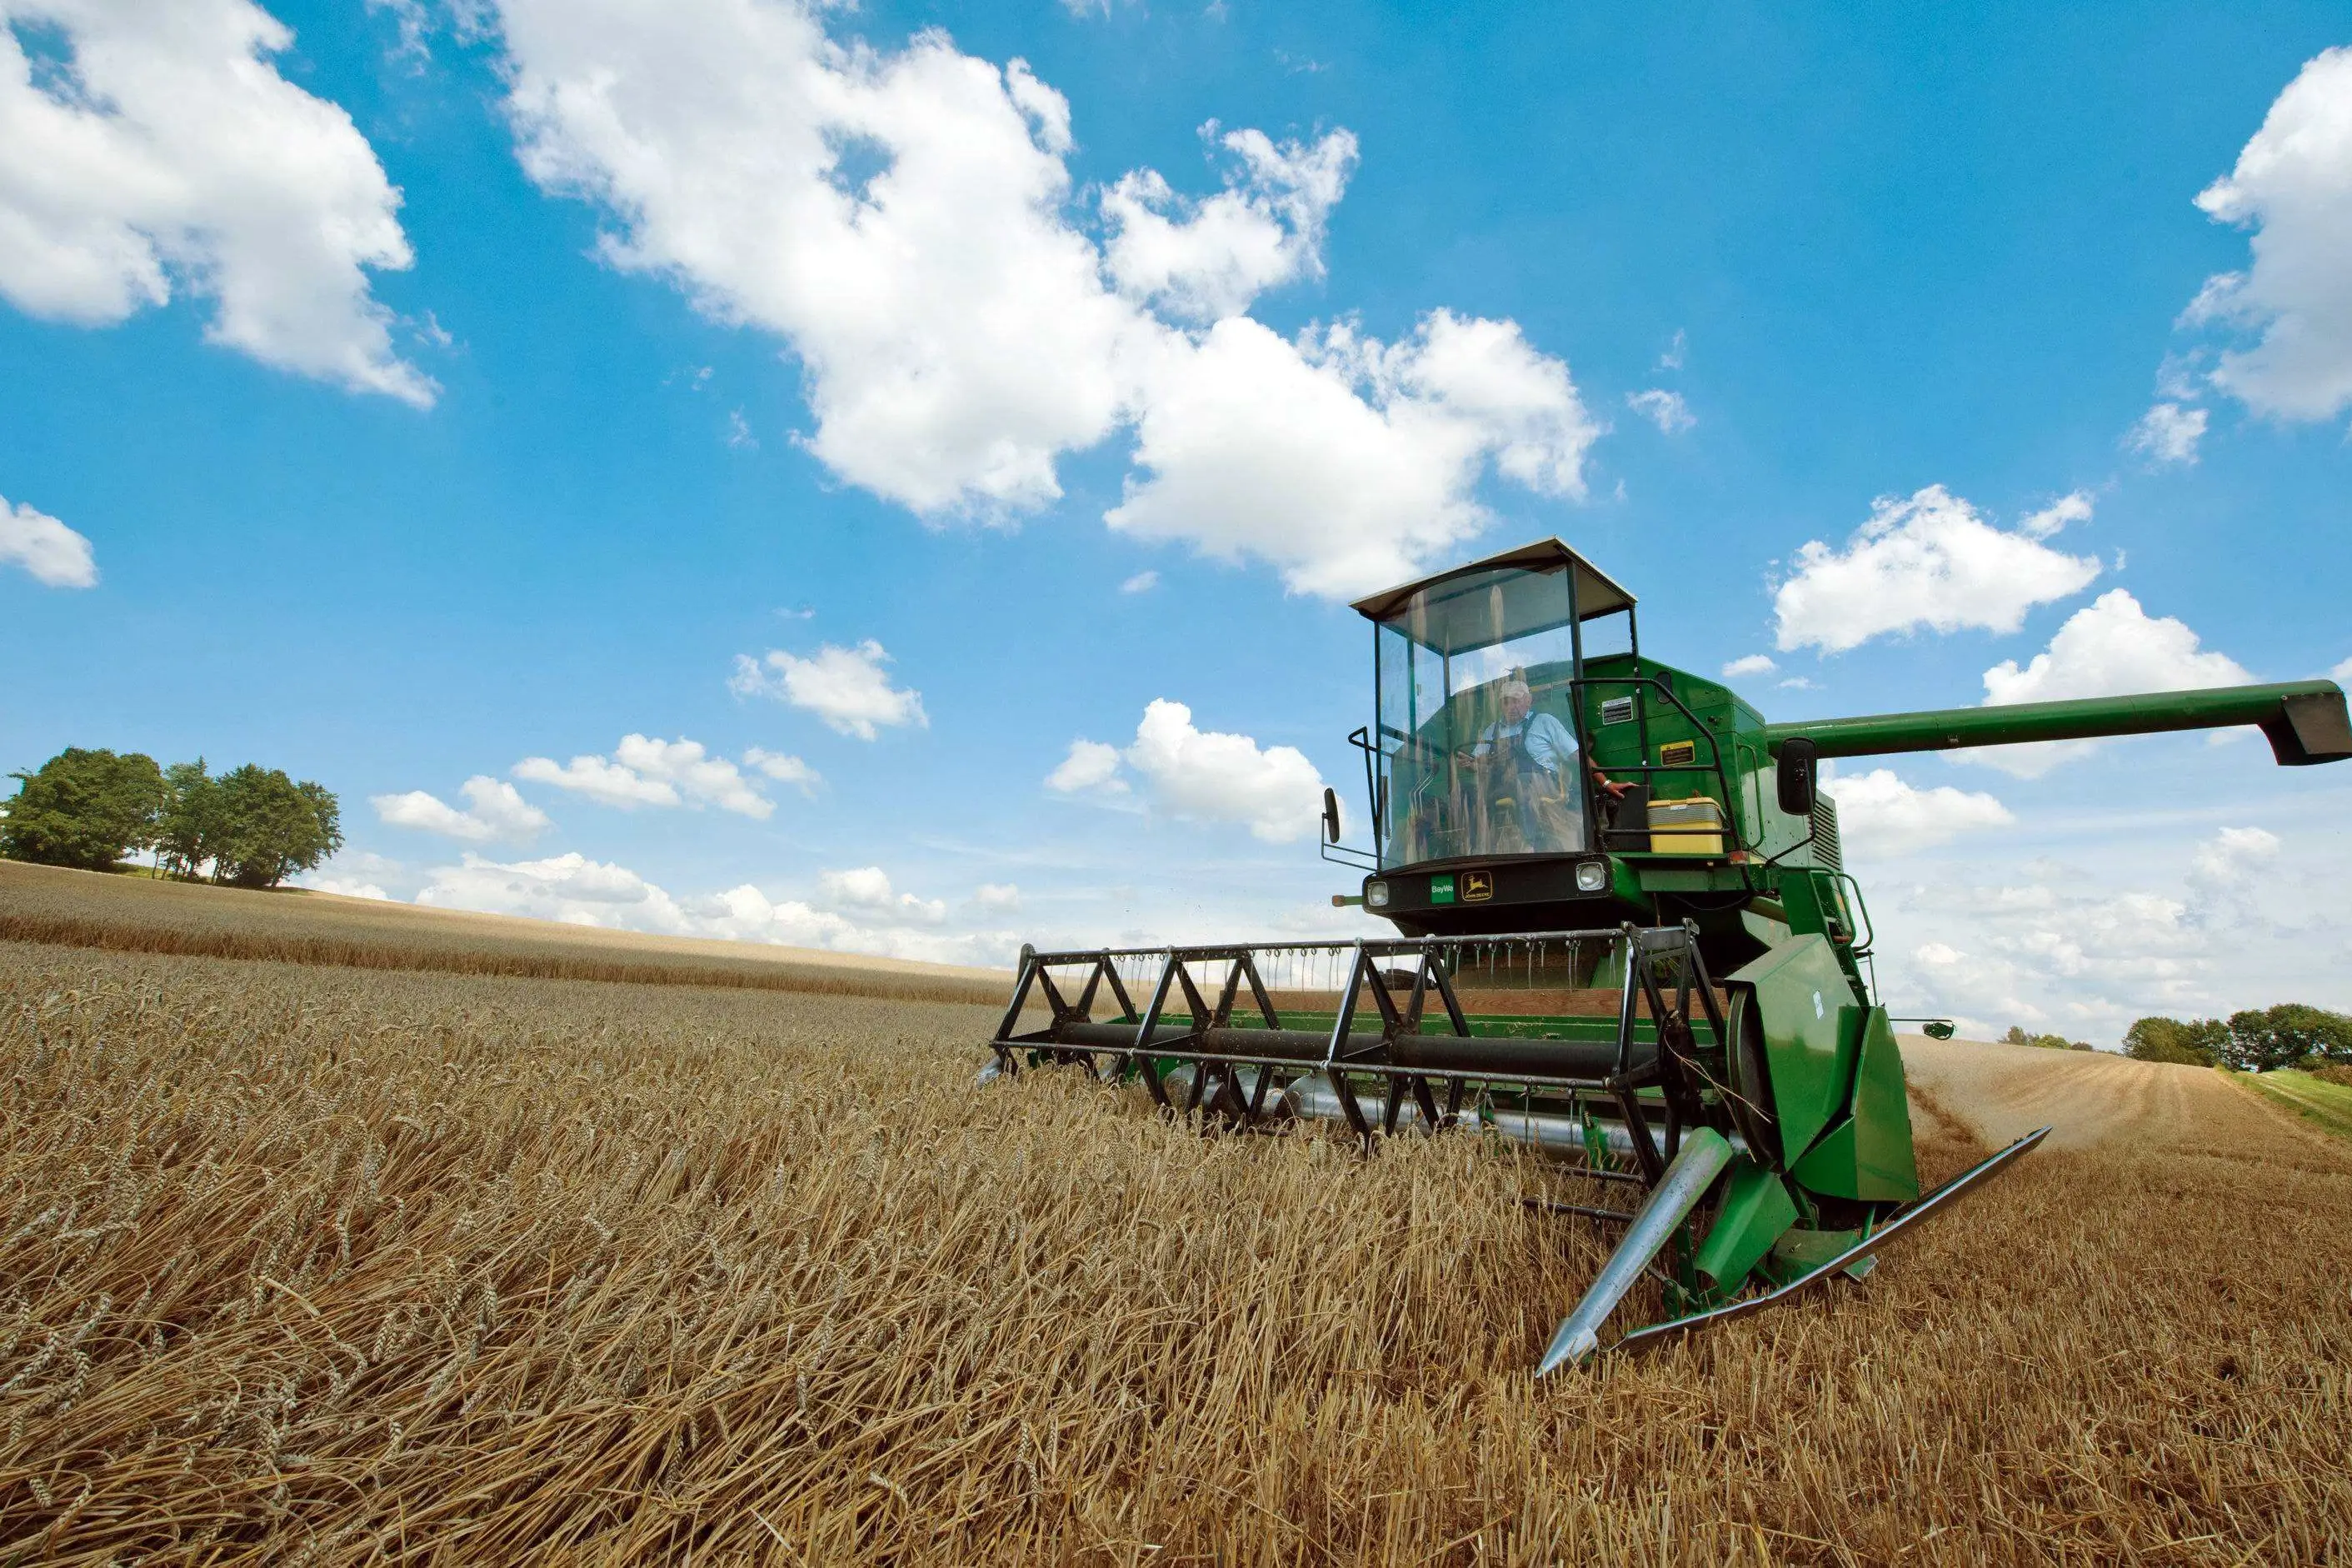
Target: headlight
[1591,876]
[1376,895]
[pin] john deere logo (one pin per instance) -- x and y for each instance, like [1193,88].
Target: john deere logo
[1477,887]
[1441,889]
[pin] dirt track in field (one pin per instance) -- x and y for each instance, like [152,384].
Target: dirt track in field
[2092,1099]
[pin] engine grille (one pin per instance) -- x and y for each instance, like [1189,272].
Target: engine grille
[1826,853]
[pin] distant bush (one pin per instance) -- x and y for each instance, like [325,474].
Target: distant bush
[2334,1072]
[2017,1036]
[84,809]
[2196,1043]
[268,826]
[253,826]
[2289,1035]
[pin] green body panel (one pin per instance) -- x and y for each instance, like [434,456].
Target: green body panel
[1879,734]
[1868,1154]
[1816,904]
[1662,875]
[1705,717]
[1800,1251]
[1803,998]
[1757,1211]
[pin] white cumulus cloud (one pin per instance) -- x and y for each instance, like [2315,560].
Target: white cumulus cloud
[845,686]
[868,888]
[55,554]
[2342,671]
[2293,186]
[645,771]
[907,224]
[493,810]
[1208,259]
[696,775]
[1346,462]
[896,218]
[2168,434]
[2148,920]
[1749,664]
[577,890]
[784,769]
[1881,814]
[569,888]
[911,928]
[346,887]
[167,152]
[1141,583]
[2233,856]
[1091,766]
[1931,560]
[1665,409]
[2110,648]
[1202,776]
[603,781]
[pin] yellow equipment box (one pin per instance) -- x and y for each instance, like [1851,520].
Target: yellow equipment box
[1690,826]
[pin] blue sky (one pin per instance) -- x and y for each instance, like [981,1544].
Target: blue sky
[409,396]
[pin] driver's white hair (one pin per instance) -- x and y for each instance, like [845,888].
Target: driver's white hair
[1515,687]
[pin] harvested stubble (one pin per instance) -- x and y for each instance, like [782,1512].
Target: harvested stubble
[339,1266]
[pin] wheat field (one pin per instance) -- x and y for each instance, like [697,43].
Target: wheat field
[297,925]
[345,1265]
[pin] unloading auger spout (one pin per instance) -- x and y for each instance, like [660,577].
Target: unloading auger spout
[1625,941]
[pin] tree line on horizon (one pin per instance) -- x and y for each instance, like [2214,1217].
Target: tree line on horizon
[91,809]
[2290,1035]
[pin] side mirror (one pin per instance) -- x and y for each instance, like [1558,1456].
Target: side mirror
[1938,1029]
[1330,817]
[1799,777]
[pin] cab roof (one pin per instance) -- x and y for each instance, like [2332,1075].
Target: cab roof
[1459,610]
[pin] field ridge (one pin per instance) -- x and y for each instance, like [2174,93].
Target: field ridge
[118,936]
[120,914]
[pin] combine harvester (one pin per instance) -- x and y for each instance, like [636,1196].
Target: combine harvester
[1627,940]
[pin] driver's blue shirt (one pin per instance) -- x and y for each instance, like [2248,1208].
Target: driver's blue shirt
[1542,736]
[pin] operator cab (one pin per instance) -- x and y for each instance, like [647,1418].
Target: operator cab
[1478,752]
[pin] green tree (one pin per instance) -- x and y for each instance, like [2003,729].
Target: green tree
[266,826]
[2196,1043]
[83,808]
[191,821]
[2287,1035]
[2018,1037]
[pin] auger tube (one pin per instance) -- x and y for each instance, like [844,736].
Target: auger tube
[2304,722]
[1549,1135]
[1435,1054]
[1562,1137]
[1704,1153]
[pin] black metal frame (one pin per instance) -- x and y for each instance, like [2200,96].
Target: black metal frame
[1663,969]
[1366,738]
[1603,835]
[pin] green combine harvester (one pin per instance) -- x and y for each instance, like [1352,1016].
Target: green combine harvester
[1626,939]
